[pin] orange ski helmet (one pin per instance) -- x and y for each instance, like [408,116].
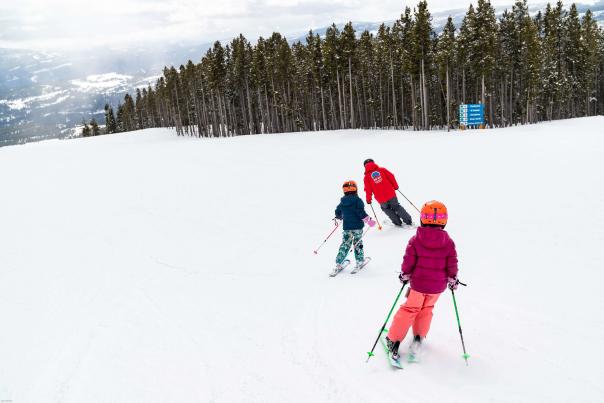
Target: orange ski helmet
[349,186]
[434,213]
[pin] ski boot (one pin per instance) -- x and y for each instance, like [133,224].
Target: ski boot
[360,265]
[414,349]
[393,348]
[339,268]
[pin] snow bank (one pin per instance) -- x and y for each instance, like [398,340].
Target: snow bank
[102,82]
[147,267]
[21,103]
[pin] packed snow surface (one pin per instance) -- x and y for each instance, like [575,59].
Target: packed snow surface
[146,267]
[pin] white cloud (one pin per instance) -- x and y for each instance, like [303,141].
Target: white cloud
[78,24]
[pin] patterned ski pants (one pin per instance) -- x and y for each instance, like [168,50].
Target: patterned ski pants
[349,238]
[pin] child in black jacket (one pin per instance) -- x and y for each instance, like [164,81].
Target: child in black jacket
[352,211]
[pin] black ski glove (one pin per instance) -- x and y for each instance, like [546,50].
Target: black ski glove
[404,278]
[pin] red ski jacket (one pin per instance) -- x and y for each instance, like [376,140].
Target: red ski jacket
[380,182]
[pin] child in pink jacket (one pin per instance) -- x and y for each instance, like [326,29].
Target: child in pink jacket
[430,264]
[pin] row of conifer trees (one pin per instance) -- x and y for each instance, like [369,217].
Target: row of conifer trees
[524,68]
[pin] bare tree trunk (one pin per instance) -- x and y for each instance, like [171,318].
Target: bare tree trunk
[394,113]
[351,101]
[512,96]
[502,103]
[421,99]
[448,101]
[269,114]
[413,105]
[334,123]
[323,108]
[340,103]
[482,91]
[528,97]
[381,102]
[402,102]
[425,95]
[252,124]
[262,127]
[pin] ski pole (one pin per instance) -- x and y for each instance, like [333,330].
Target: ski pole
[408,201]
[375,215]
[463,345]
[370,353]
[328,236]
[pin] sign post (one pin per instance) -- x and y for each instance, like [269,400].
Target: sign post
[471,115]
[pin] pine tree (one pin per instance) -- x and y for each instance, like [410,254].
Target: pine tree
[422,54]
[573,55]
[348,46]
[464,51]
[110,124]
[484,50]
[590,35]
[445,57]
[524,69]
[119,121]
[86,132]
[94,128]
[532,66]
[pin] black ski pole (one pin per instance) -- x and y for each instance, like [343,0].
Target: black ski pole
[370,353]
[463,345]
[408,200]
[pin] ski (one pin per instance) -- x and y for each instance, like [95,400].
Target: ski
[395,363]
[388,223]
[339,268]
[359,268]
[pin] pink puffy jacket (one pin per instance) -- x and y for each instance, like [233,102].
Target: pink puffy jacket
[430,258]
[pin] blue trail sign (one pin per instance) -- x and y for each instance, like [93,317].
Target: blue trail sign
[471,114]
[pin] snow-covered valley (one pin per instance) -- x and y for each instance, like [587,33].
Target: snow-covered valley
[146,267]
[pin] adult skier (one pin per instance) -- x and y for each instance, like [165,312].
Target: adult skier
[381,183]
[430,265]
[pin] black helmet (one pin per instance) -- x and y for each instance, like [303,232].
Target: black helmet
[367,161]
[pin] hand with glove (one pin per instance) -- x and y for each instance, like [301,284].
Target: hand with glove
[369,221]
[452,282]
[404,278]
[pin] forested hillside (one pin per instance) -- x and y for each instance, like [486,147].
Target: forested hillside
[524,68]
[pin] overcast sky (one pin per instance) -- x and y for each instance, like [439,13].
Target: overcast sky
[73,24]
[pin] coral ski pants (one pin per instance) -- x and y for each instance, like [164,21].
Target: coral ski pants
[416,312]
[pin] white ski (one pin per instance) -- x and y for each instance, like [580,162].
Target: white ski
[395,363]
[339,268]
[414,352]
[361,266]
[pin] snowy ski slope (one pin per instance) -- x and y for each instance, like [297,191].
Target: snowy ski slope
[146,267]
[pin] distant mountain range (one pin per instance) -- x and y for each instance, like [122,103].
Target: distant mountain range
[47,94]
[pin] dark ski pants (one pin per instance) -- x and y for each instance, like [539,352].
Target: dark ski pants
[396,212]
